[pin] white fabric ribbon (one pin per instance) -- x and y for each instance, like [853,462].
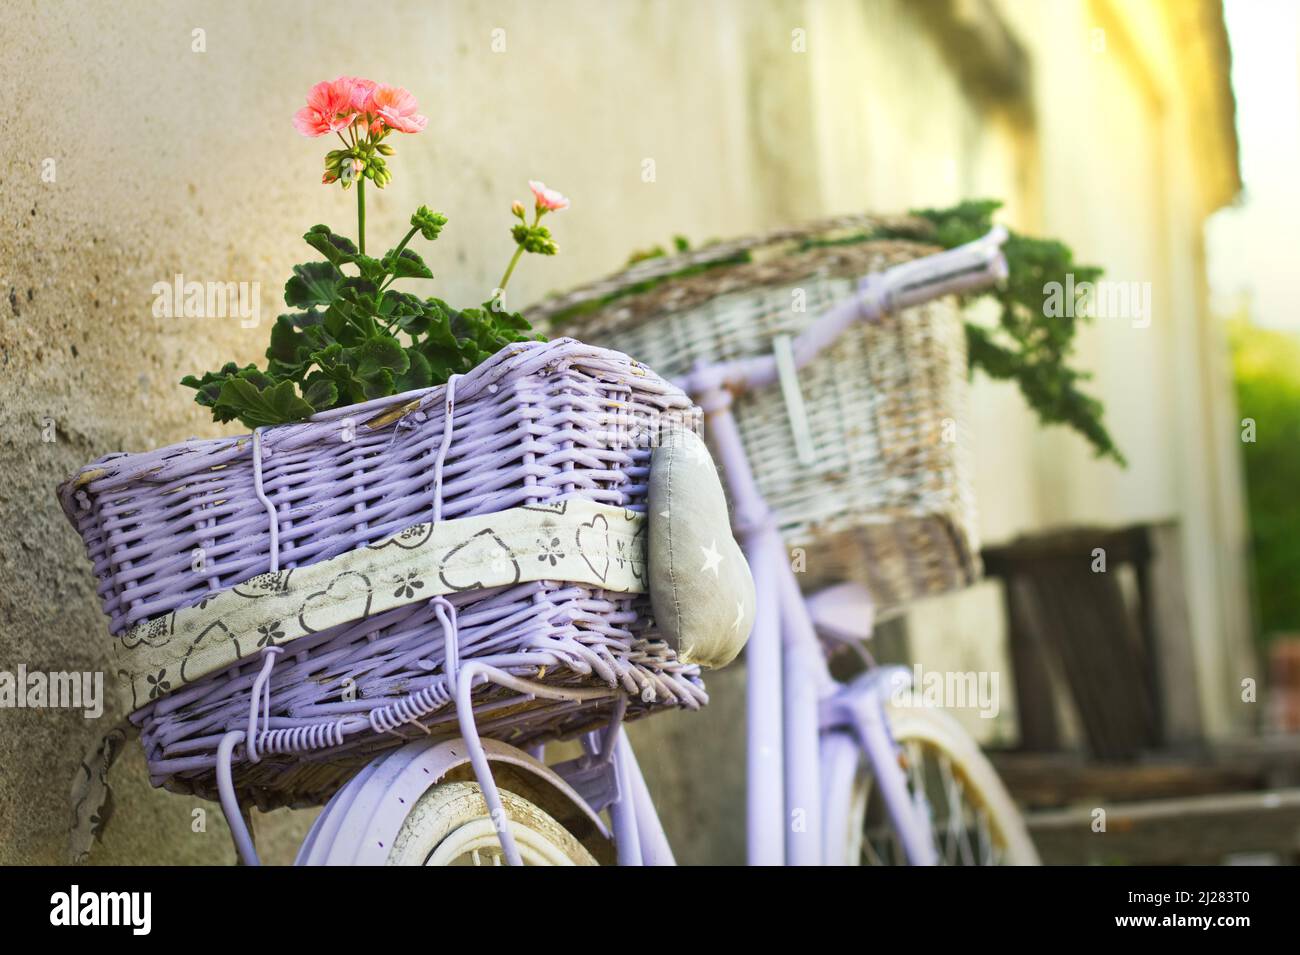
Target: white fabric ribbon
[572,540]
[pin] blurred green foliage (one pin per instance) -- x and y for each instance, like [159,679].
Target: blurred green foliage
[1266,366]
[1027,345]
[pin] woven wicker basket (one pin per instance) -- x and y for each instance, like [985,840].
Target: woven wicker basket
[530,426]
[887,499]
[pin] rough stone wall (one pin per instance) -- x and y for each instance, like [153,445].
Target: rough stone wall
[167,161]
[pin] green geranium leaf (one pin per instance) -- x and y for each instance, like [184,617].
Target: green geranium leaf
[406,265]
[439,334]
[379,352]
[312,284]
[372,270]
[441,366]
[512,321]
[258,402]
[379,385]
[419,374]
[402,311]
[322,392]
[351,389]
[209,385]
[395,303]
[290,345]
[414,325]
[336,248]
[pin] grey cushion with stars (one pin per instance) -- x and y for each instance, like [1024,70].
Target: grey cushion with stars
[700,586]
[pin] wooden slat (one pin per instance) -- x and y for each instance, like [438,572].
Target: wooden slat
[1036,685]
[1201,830]
[1171,634]
[1075,629]
[1053,781]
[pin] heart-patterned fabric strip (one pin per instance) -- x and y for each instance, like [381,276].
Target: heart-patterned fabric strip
[572,540]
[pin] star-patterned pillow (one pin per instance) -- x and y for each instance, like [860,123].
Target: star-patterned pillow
[700,587]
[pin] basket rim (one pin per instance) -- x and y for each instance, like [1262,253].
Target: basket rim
[919,231]
[160,465]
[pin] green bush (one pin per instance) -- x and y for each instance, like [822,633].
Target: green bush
[1267,371]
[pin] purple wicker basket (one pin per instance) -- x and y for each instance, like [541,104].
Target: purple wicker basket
[538,424]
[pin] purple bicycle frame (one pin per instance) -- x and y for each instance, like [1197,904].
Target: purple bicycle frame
[803,758]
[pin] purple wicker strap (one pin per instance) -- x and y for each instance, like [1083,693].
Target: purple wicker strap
[411,708]
[229,798]
[473,672]
[449,410]
[386,720]
[261,694]
[445,611]
[479,761]
[230,801]
[266,501]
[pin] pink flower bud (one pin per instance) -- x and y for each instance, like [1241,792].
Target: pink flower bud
[548,199]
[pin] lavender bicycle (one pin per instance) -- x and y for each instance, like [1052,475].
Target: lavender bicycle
[837,774]
[391,607]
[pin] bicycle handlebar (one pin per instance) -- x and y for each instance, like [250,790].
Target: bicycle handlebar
[972,266]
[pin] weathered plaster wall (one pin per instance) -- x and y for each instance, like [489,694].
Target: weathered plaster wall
[169,161]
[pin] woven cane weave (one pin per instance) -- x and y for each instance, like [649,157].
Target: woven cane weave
[573,540]
[887,500]
[536,425]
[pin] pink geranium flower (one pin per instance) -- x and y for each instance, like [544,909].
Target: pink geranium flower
[548,199]
[329,108]
[395,108]
[358,90]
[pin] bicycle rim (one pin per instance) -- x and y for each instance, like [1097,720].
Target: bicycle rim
[972,818]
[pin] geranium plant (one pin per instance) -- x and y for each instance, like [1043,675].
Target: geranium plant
[353,336]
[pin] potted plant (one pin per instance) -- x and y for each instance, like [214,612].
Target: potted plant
[353,335]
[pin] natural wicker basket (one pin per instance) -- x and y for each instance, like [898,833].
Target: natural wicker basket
[887,500]
[530,426]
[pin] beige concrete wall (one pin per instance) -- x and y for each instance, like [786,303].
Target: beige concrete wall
[173,161]
[1114,132]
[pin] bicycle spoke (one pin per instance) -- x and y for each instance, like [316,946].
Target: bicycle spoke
[960,823]
[958,818]
[916,780]
[869,851]
[986,838]
[953,790]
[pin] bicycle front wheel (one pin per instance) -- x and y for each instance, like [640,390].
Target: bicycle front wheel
[400,810]
[450,825]
[972,817]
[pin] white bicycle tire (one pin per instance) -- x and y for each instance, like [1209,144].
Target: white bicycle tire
[939,732]
[450,825]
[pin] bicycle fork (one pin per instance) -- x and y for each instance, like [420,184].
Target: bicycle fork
[860,705]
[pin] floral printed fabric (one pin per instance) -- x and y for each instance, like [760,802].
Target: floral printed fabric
[573,540]
[92,797]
